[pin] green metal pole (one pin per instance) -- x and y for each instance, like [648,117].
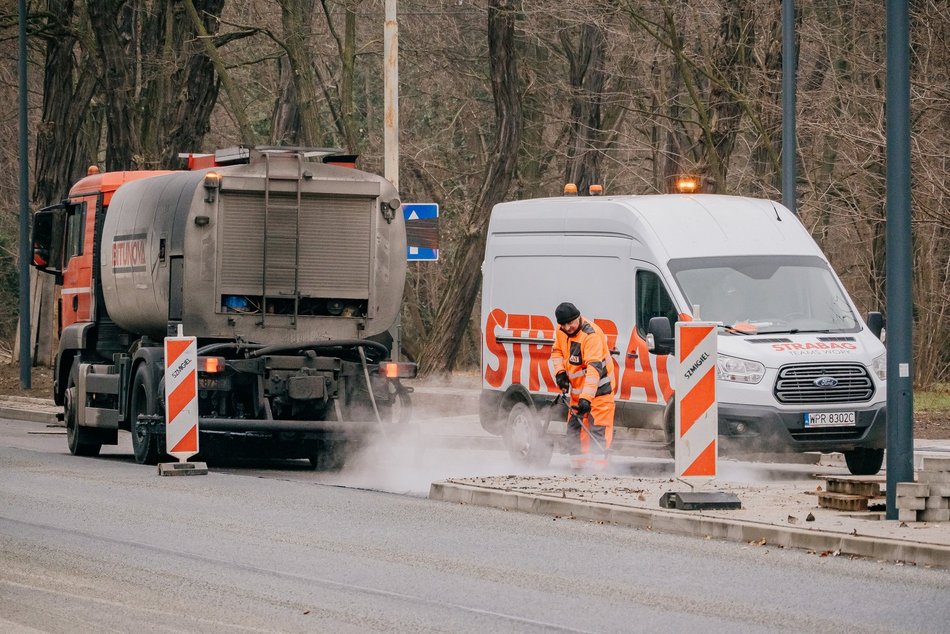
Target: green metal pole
[900,375]
[788,105]
[25,250]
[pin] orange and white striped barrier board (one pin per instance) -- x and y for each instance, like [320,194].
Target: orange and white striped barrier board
[697,414]
[181,396]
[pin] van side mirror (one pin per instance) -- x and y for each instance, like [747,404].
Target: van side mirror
[875,322]
[49,227]
[660,336]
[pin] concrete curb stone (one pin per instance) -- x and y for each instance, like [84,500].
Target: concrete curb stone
[32,415]
[695,524]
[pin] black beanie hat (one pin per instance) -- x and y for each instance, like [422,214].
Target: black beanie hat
[566,312]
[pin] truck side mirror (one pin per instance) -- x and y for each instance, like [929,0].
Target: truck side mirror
[660,336]
[49,226]
[875,322]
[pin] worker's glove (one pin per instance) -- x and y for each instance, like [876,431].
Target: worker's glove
[563,383]
[583,406]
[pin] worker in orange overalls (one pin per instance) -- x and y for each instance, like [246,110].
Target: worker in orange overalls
[582,365]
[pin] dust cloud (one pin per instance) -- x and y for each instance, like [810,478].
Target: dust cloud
[443,439]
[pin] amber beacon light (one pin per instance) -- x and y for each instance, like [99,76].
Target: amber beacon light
[686,185]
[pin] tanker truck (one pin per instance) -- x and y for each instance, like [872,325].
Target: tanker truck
[286,264]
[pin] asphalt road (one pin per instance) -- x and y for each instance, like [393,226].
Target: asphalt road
[99,544]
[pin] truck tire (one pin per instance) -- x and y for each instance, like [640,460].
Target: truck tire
[330,455]
[864,461]
[82,441]
[526,443]
[144,400]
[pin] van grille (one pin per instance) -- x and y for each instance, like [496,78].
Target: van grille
[797,383]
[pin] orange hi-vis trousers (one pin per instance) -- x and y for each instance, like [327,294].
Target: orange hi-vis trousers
[589,436]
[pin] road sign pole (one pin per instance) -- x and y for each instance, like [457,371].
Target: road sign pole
[899,282]
[25,252]
[391,127]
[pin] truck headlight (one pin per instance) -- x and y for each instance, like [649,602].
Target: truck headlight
[738,370]
[879,366]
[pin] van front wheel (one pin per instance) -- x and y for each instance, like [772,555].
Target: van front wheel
[525,438]
[864,461]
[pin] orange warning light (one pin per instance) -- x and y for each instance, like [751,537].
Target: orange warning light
[395,370]
[596,190]
[211,365]
[570,189]
[686,185]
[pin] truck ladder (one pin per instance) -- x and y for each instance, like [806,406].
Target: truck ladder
[281,234]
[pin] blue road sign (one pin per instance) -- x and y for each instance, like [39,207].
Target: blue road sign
[422,231]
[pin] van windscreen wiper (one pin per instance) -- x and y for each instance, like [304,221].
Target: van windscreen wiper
[798,331]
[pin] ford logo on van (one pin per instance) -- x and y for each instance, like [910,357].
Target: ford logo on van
[826,381]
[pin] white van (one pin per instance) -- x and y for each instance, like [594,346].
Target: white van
[799,370]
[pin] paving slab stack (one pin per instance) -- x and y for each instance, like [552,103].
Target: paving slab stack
[928,499]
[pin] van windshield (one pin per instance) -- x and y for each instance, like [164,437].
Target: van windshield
[766,294]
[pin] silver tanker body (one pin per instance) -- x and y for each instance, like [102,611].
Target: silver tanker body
[276,251]
[288,270]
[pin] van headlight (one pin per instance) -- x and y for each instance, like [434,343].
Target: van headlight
[738,370]
[879,366]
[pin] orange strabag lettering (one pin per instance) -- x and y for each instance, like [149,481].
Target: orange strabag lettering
[633,378]
[518,325]
[495,377]
[539,369]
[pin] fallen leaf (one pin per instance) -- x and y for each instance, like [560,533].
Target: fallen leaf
[818,488]
[306,611]
[642,497]
[810,518]
[903,525]
[792,519]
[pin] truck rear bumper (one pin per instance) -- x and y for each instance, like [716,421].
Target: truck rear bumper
[157,424]
[244,424]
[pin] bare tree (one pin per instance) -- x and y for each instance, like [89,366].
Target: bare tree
[455,310]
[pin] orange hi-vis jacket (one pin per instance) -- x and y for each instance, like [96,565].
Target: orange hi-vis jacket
[586,358]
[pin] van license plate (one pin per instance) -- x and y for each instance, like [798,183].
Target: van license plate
[830,419]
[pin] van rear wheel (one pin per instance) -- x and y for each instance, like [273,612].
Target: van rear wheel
[864,461]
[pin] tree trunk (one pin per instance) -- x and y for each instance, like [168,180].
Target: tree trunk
[296,19]
[346,80]
[60,161]
[585,146]
[62,151]
[113,24]
[733,59]
[441,349]
[285,121]
[193,88]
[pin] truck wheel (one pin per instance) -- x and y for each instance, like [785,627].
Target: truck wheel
[330,455]
[864,461]
[145,445]
[82,441]
[526,443]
